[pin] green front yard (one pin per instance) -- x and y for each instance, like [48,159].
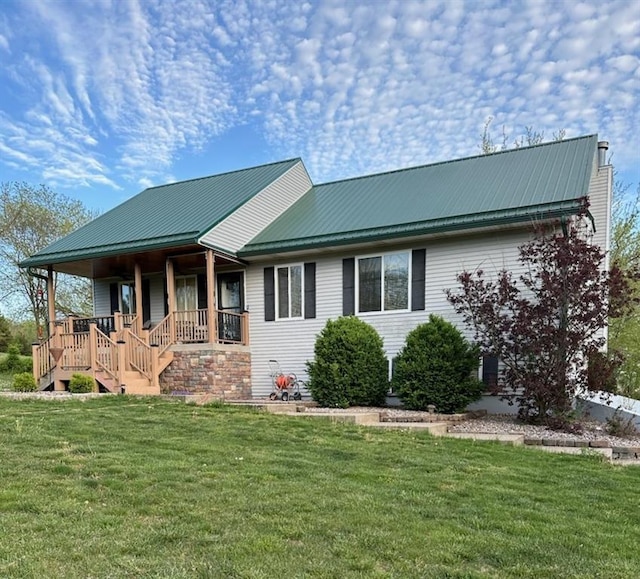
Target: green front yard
[123,487]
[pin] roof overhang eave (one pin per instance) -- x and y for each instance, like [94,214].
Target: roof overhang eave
[110,251]
[436,226]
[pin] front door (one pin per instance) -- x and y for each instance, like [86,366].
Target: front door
[230,302]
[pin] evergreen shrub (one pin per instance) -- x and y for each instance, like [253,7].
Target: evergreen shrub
[350,367]
[437,365]
[24,382]
[81,384]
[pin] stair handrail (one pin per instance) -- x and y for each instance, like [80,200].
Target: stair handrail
[162,334]
[41,359]
[138,353]
[105,356]
[133,321]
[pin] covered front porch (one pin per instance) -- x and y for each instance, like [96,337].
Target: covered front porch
[144,305]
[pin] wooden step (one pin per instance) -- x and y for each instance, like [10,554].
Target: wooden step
[164,360]
[107,381]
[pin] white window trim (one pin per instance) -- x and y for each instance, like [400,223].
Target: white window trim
[382,311]
[277,291]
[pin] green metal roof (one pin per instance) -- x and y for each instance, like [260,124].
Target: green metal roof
[545,180]
[164,216]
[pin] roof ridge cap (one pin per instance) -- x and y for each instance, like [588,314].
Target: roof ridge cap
[221,174]
[450,161]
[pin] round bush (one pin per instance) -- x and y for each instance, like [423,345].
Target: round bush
[350,368]
[24,382]
[436,366]
[81,384]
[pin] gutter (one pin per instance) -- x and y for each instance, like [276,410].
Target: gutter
[458,223]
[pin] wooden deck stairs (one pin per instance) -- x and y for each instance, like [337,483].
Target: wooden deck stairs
[127,361]
[120,354]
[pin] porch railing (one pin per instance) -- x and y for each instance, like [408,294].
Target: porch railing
[106,324]
[107,343]
[76,352]
[233,328]
[191,326]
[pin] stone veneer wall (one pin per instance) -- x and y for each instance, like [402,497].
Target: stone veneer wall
[222,370]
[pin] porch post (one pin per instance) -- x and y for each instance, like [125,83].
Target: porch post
[51,301]
[171,299]
[138,289]
[212,317]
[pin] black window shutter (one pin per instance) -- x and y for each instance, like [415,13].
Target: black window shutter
[202,291]
[269,294]
[166,297]
[418,258]
[114,297]
[348,286]
[490,371]
[309,290]
[146,301]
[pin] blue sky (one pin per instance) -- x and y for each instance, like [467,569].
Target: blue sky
[101,99]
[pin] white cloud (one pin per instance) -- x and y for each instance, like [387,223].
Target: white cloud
[350,87]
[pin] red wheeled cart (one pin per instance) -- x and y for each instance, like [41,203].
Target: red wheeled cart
[284,385]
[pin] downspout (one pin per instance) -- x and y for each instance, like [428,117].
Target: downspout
[564,222]
[32,272]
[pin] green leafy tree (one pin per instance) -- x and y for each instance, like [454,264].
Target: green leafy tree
[30,219]
[5,333]
[624,330]
[23,334]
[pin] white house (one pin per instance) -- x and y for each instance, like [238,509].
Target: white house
[227,272]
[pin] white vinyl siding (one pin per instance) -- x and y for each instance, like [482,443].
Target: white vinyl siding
[600,191]
[156,289]
[247,221]
[292,342]
[101,297]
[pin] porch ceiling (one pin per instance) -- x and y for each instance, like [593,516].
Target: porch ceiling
[186,259]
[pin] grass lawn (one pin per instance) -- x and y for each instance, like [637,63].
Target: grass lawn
[123,487]
[6,380]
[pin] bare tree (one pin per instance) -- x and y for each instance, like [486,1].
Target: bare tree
[530,137]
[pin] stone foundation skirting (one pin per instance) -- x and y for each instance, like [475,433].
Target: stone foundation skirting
[220,370]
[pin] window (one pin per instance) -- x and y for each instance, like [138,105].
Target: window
[383,282]
[186,293]
[127,296]
[289,291]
